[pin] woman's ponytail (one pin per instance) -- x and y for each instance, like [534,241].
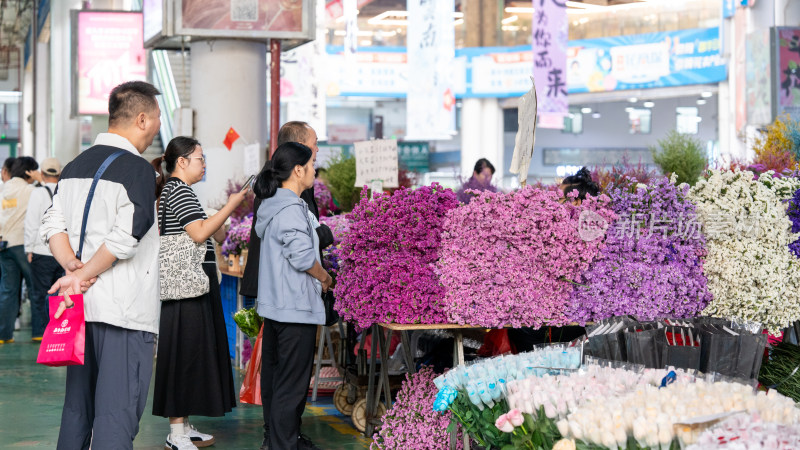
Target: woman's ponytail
[161,180]
[279,168]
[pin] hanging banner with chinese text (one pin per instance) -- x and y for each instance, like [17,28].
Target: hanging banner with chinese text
[309,101]
[550,60]
[431,52]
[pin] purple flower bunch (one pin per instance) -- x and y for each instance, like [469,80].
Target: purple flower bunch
[412,423]
[339,226]
[387,259]
[793,211]
[652,263]
[508,259]
[323,197]
[238,237]
[471,187]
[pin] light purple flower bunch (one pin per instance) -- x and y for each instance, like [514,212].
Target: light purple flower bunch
[238,237]
[339,226]
[412,423]
[387,260]
[323,197]
[508,259]
[652,264]
[793,211]
[471,187]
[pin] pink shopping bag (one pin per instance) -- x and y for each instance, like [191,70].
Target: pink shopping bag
[64,338]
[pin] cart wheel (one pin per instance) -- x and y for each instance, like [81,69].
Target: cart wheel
[341,402]
[360,414]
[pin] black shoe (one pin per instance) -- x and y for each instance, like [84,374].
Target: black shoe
[304,443]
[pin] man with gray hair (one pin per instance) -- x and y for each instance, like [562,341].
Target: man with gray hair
[106,396]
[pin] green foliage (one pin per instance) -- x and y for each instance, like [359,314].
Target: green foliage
[341,179]
[480,424]
[681,154]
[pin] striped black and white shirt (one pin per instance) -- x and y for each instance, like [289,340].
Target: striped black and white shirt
[182,208]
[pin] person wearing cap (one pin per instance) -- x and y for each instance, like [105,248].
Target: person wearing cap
[45,270]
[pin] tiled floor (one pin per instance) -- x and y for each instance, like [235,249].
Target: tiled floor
[31,398]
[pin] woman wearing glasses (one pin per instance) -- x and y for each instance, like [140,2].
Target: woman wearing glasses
[193,368]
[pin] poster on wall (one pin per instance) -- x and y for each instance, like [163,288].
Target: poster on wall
[108,50]
[153,12]
[431,101]
[758,78]
[549,43]
[243,18]
[786,72]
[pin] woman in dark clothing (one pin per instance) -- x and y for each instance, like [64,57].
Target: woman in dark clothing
[193,368]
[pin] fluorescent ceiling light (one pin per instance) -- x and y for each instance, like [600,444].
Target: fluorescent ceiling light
[648,104]
[509,20]
[706,94]
[398,18]
[633,99]
[628,109]
[458,22]
[586,110]
[701,102]
[581,5]
[596,115]
[510,28]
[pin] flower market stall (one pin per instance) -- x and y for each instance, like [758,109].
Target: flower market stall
[663,274]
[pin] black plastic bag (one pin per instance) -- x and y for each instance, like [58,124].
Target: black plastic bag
[719,350]
[640,345]
[679,347]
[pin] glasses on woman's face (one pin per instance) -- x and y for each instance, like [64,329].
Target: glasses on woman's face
[201,158]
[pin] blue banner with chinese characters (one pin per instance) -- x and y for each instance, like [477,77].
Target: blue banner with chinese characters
[646,61]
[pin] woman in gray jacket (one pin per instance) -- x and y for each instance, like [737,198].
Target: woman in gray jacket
[290,283]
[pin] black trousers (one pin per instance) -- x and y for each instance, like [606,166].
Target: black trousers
[287,355]
[45,270]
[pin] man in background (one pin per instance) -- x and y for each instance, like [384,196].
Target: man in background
[45,270]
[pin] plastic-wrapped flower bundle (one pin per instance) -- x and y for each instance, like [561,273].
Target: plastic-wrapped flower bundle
[386,268]
[649,413]
[652,264]
[750,269]
[485,381]
[748,432]
[507,259]
[562,394]
[411,423]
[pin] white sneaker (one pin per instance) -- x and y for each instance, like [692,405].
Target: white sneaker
[199,439]
[17,325]
[181,442]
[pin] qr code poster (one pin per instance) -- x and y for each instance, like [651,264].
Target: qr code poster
[215,17]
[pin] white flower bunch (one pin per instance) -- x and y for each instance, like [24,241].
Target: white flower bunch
[750,270]
[650,414]
[561,394]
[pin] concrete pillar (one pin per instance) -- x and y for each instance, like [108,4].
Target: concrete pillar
[482,135]
[26,114]
[65,130]
[229,89]
[42,107]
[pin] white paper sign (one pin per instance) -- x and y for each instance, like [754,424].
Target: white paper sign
[252,160]
[523,144]
[376,160]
